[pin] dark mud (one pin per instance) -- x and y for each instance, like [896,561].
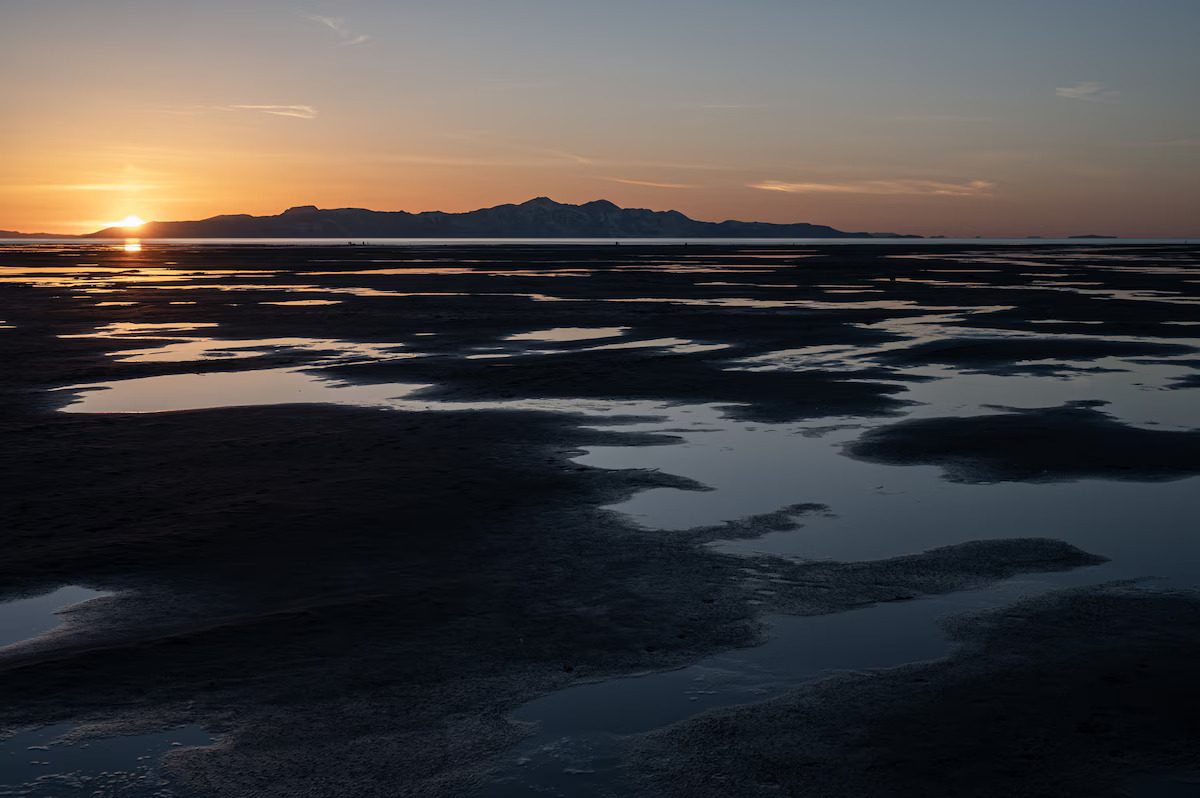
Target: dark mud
[1073,441]
[1078,693]
[1190,381]
[1001,356]
[766,396]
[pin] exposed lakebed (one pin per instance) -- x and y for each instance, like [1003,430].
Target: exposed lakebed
[698,405]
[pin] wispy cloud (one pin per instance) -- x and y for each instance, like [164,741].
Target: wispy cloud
[648,183]
[338,26]
[975,188]
[297,111]
[1089,91]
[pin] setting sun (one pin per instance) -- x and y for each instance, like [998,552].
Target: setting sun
[129,221]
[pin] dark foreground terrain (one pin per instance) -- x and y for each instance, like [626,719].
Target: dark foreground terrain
[354,598]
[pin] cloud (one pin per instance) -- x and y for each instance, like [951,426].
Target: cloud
[297,111]
[1089,91]
[647,183]
[975,188]
[338,26]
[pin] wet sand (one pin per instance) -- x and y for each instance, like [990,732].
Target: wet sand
[1085,692]
[356,598]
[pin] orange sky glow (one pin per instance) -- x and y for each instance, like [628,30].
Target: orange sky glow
[888,121]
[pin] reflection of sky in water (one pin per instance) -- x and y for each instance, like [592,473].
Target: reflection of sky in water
[569,334]
[129,328]
[85,276]
[676,346]
[357,291]
[168,348]
[776,304]
[1094,262]
[1137,394]
[98,767]
[883,511]
[208,348]
[575,749]
[456,270]
[227,389]
[302,302]
[23,619]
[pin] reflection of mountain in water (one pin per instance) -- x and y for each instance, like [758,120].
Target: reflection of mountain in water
[537,218]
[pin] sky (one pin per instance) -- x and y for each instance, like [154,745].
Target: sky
[934,117]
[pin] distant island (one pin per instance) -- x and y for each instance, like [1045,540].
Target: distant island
[537,218]
[15,234]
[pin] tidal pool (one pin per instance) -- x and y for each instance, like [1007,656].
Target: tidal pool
[226,389]
[576,749]
[569,334]
[24,619]
[38,762]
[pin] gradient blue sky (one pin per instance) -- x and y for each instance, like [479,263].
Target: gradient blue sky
[925,116]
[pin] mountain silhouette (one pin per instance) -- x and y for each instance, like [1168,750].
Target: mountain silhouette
[537,218]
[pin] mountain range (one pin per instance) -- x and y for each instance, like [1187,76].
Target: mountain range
[537,218]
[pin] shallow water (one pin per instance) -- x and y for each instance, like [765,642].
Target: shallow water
[24,619]
[227,389]
[187,349]
[576,749]
[304,302]
[37,762]
[569,334]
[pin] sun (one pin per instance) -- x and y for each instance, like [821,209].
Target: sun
[129,221]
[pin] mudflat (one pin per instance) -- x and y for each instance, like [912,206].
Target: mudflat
[336,499]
